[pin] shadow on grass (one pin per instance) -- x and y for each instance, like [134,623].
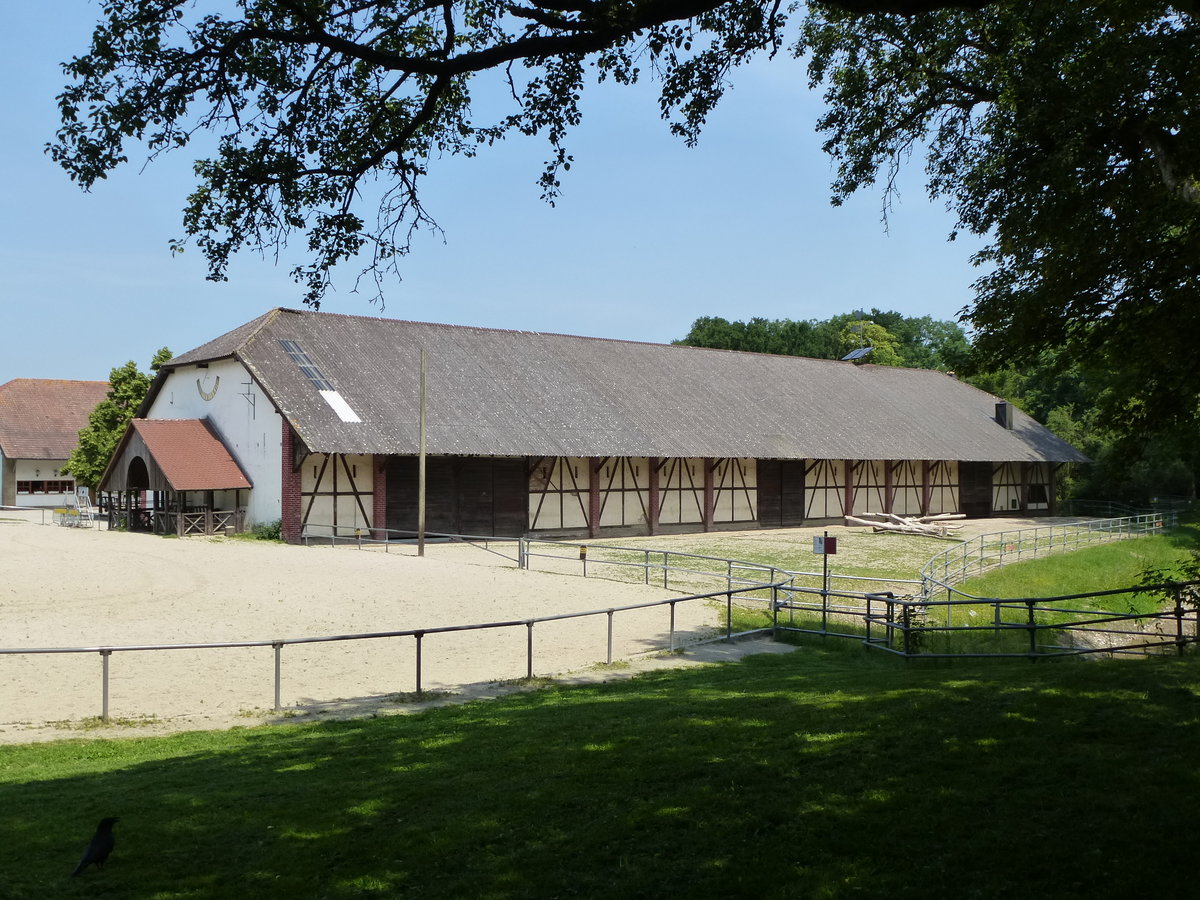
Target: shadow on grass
[815,774]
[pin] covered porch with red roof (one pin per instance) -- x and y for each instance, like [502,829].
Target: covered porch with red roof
[174,476]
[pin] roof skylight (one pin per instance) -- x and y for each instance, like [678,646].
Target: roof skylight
[317,379]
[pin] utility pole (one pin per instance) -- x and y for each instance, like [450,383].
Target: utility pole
[421,467]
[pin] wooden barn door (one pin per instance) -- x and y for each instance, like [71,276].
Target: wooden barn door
[975,489]
[463,495]
[780,493]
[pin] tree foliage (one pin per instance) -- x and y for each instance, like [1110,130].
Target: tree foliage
[127,388]
[912,341]
[1071,398]
[310,100]
[1066,134]
[1063,132]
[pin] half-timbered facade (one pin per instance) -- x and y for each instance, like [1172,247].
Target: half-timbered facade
[562,435]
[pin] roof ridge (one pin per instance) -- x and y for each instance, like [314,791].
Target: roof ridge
[578,337]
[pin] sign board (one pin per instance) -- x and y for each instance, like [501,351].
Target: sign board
[825,545]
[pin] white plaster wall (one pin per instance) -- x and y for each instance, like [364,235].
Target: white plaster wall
[907,501]
[624,491]
[825,489]
[43,470]
[243,417]
[945,488]
[735,483]
[681,492]
[565,506]
[335,501]
[870,494]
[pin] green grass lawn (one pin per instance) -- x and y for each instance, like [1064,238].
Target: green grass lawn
[1098,568]
[823,773]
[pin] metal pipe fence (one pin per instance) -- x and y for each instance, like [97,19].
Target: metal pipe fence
[418,634]
[985,552]
[904,626]
[1034,628]
[322,535]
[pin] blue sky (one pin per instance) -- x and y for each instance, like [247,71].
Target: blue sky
[648,235]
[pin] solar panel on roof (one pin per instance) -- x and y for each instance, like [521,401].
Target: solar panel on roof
[308,368]
[857,354]
[317,379]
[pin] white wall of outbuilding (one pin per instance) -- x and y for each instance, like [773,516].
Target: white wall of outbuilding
[243,417]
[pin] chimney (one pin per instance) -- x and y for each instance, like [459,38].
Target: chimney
[1004,414]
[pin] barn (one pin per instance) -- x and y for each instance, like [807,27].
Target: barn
[40,421]
[548,434]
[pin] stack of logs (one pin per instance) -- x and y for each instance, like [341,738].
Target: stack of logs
[934,526]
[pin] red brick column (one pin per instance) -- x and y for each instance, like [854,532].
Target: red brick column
[289,496]
[379,496]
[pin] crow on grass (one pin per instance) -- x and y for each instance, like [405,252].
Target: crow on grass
[100,847]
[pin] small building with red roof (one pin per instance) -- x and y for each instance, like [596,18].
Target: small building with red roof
[40,421]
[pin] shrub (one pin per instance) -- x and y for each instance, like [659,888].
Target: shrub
[268,531]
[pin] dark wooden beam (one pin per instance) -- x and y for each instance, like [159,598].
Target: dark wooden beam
[709,465]
[926,488]
[594,464]
[848,488]
[654,500]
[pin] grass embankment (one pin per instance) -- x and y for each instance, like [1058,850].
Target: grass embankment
[822,773]
[1100,568]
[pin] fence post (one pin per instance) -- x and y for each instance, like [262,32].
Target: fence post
[665,555]
[824,609]
[104,655]
[278,646]
[1179,621]
[529,650]
[1032,633]
[420,635]
[729,616]
[673,602]
[610,627]
[646,566]
[774,608]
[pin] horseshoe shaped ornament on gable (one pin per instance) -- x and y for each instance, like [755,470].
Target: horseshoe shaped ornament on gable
[208,395]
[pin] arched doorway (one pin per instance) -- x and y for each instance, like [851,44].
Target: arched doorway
[137,482]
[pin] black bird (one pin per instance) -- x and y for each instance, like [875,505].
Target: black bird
[102,845]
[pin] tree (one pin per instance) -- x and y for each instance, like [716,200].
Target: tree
[899,340]
[1066,133]
[127,388]
[309,100]
[862,333]
[1062,131]
[786,337]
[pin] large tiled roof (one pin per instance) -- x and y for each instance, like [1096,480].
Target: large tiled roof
[190,455]
[41,418]
[516,393]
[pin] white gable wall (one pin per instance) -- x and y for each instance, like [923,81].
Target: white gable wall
[226,395]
